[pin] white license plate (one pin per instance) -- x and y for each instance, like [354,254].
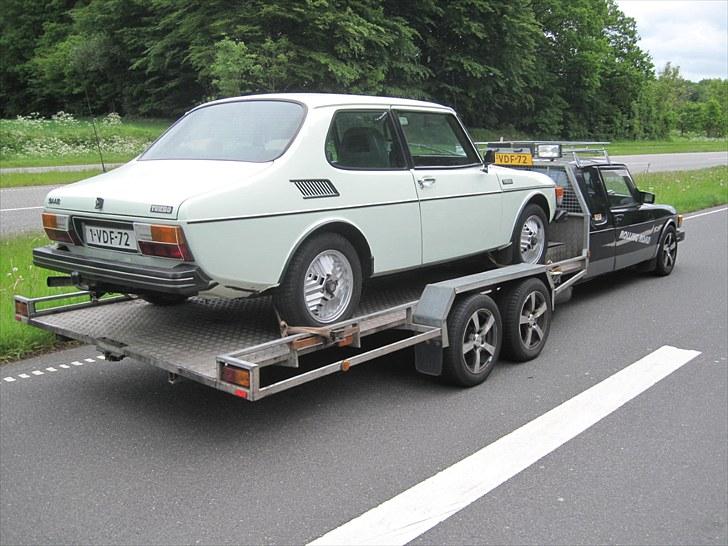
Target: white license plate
[110,237]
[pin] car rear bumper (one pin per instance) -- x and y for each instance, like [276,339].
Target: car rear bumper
[112,276]
[680,235]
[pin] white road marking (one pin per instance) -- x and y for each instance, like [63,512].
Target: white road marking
[77,363]
[20,208]
[23,375]
[51,369]
[705,213]
[101,357]
[37,372]
[413,512]
[9,379]
[89,360]
[65,366]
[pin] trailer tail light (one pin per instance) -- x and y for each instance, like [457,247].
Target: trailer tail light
[21,310]
[236,376]
[559,195]
[58,228]
[163,241]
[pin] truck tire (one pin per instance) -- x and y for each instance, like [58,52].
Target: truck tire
[163,300]
[322,284]
[530,241]
[474,331]
[666,253]
[526,309]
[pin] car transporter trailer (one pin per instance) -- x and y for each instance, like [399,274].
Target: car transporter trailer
[241,347]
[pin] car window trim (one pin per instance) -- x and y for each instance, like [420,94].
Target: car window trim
[630,186]
[395,137]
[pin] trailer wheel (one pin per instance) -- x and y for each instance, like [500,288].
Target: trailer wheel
[527,319]
[322,284]
[474,330]
[529,242]
[163,300]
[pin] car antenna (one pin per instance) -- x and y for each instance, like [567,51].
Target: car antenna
[96,134]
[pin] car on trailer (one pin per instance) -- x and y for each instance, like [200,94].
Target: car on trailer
[626,227]
[302,196]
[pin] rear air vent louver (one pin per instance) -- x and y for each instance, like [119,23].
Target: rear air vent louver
[315,188]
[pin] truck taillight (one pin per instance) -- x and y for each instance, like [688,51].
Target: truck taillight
[559,194]
[163,241]
[236,376]
[58,228]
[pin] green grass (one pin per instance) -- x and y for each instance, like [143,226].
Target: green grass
[53,160]
[19,276]
[674,146]
[15,180]
[687,190]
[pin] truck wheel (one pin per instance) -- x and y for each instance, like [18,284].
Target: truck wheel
[474,330]
[666,253]
[526,319]
[322,284]
[163,300]
[530,236]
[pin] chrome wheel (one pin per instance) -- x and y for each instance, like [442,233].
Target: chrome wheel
[328,286]
[533,239]
[532,319]
[480,340]
[669,250]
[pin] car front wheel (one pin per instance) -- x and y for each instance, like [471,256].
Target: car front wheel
[322,284]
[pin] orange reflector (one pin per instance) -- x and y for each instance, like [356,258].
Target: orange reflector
[680,220]
[50,221]
[236,376]
[345,365]
[559,194]
[348,340]
[21,310]
[166,234]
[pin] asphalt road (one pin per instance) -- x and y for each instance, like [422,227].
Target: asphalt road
[102,452]
[19,207]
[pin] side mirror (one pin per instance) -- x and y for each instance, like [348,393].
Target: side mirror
[647,197]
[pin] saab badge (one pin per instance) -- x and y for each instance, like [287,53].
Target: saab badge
[99,203]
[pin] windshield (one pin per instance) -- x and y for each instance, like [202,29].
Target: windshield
[256,130]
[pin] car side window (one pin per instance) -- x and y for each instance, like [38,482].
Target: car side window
[436,140]
[363,140]
[619,187]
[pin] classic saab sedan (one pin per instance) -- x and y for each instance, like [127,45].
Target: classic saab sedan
[304,196]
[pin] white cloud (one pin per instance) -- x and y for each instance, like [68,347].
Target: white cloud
[691,34]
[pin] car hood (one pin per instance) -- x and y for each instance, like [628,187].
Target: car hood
[150,189]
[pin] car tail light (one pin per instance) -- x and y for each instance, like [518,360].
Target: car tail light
[236,376]
[680,219]
[58,228]
[559,194]
[163,241]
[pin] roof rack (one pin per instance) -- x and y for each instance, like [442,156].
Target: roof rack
[575,148]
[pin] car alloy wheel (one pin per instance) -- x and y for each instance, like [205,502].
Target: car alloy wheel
[533,239]
[328,286]
[532,319]
[480,340]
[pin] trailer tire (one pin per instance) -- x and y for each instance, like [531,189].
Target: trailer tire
[307,265]
[163,300]
[530,240]
[474,329]
[526,315]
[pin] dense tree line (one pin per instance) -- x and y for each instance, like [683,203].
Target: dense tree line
[546,67]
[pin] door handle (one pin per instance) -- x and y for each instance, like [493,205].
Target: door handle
[618,218]
[427,181]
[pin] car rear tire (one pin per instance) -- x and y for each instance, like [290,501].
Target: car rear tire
[666,253]
[322,284]
[474,329]
[526,309]
[530,241]
[164,300]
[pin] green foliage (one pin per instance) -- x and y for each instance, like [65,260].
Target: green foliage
[687,190]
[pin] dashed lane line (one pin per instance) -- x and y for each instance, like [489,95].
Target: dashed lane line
[36,373]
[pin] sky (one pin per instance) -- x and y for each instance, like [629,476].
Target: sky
[691,34]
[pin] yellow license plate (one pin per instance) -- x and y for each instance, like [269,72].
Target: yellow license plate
[514,159]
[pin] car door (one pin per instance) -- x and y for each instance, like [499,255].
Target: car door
[601,225]
[460,203]
[634,223]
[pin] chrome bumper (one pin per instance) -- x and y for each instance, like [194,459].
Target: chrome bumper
[111,276]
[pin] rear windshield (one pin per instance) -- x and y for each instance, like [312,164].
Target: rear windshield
[255,131]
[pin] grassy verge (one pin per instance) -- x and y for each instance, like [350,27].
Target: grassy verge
[19,276]
[16,180]
[675,146]
[687,190]
[53,160]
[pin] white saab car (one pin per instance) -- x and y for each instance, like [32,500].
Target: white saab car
[304,196]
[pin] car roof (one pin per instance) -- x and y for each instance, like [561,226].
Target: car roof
[323,100]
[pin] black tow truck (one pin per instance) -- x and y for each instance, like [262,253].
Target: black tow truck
[626,227]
